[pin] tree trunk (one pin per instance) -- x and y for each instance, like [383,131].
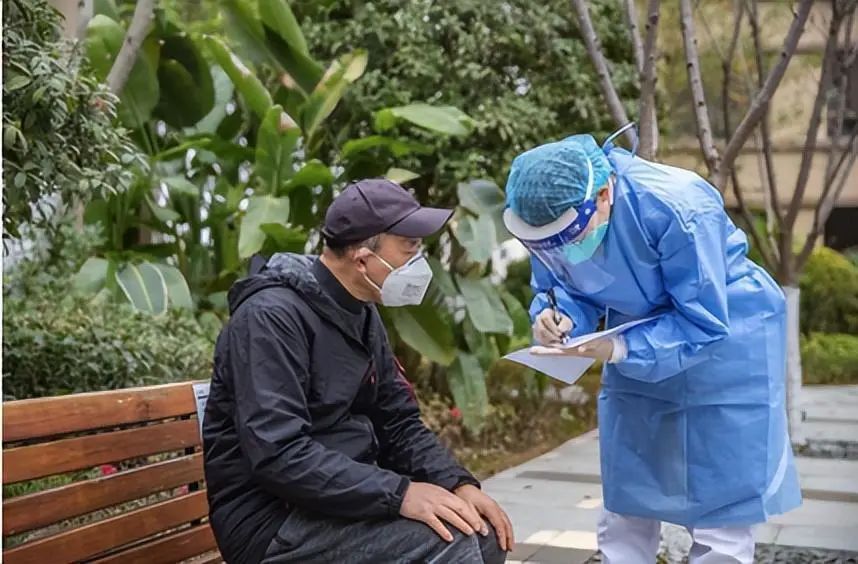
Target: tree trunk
[144,13]
[795,411]
[597,57]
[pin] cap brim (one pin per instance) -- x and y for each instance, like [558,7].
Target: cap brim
[424,222]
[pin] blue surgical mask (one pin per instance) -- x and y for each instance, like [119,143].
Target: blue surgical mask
[582,250]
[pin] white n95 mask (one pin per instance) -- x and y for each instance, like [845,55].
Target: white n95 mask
[406,285]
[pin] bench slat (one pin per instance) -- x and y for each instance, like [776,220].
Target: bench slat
[56,457]
[97,538]
[213,558]
[48,417]
[43,508]
[168,550]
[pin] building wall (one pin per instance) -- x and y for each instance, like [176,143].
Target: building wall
[790,108]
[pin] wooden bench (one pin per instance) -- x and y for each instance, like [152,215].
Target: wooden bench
[116,477]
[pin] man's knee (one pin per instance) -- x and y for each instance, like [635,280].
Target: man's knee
[490,548]
[419,542]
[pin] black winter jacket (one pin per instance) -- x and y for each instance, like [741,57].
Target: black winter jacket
[308,408]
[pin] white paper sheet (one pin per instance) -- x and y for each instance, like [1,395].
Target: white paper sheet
[583,339]
[568,368]
[564,368]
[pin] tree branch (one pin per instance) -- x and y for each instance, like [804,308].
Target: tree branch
[769,254]
[648,116]
[765,130]
[118,75]
[84,15]
[761,100]
[842,80]
[815,120]
[597,56]
[635,34]
[831,193]
[768,259]
[727,69]
[701,110]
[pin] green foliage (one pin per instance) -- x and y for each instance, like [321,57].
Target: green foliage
[57,343]
[55,346]
[519,69]
[518,281]
[829,294]
[256,173]
[467,384]
[58,139]
[829,358]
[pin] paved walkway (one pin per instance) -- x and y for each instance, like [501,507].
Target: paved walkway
[554,500]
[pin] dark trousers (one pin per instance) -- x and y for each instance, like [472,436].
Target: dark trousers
[308,538]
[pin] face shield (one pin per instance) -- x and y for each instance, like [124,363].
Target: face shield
[568,242]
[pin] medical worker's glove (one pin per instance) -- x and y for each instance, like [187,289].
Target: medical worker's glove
[548,331]
[611,350]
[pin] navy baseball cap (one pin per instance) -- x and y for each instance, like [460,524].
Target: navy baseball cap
[367,208]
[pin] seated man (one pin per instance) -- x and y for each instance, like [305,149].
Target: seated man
[314,448]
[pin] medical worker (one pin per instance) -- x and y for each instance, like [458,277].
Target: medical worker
[692,423]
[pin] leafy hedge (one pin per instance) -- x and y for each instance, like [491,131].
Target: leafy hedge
[829,294]
[57,343]
[830,359]
[54,347]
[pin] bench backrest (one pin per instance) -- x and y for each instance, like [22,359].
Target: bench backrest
[110,477]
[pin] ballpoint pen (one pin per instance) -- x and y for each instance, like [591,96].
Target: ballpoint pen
[552,299]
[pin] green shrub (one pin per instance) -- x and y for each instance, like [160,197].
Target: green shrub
[829,294]
[830,359]
[54,346]
[56,343]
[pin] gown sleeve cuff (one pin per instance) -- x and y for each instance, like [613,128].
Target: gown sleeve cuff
[621,350]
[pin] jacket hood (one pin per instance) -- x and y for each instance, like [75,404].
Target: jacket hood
[291,271]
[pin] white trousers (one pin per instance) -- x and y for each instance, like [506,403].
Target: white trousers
[632,540]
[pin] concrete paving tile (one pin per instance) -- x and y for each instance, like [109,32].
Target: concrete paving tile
[821,514]
[542,494]
[827,467]
[830,489]
[833,412]
[590,503]
[523,551]
[529,519]
[575,539]
[829,394]
[543,537]
[766,533]
[559,555]
[832,538]
[574,477]
[830,431]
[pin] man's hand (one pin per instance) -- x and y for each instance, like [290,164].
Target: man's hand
[548,331]
[430,504]
[488,508]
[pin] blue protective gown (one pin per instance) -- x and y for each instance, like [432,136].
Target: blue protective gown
[692,425]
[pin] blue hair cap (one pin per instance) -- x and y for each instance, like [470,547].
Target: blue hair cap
[546,181]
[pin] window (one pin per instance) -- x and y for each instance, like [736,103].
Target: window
[840,232]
